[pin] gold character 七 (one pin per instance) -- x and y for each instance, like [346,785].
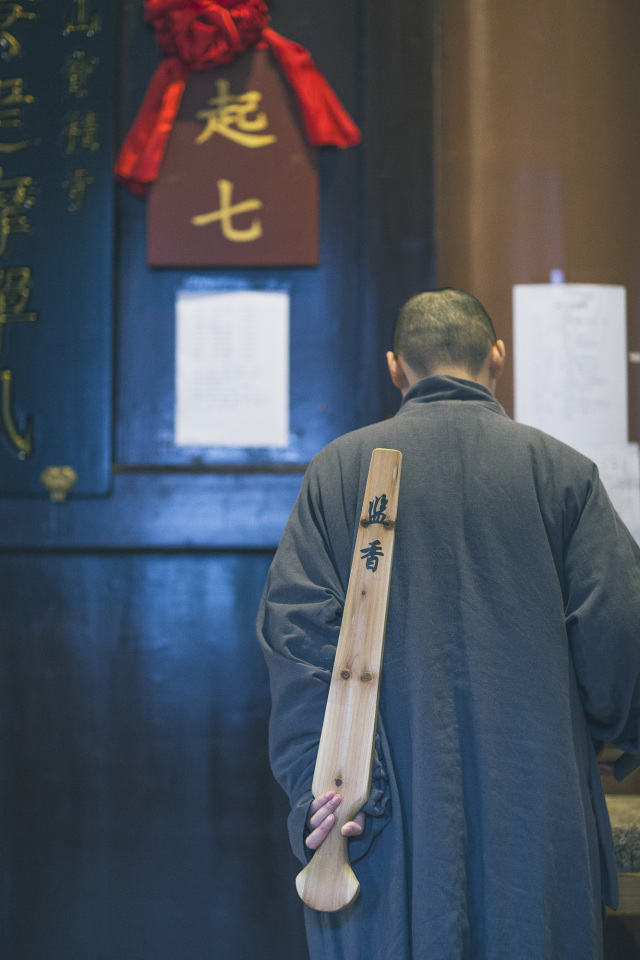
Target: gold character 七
[227,210]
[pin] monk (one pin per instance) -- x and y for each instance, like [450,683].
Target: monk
[512,650]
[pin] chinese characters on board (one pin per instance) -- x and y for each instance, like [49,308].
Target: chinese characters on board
[20,192]
[236,117]
[377,506]
[373,552]
[238,184]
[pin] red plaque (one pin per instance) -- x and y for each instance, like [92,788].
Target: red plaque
[238,184]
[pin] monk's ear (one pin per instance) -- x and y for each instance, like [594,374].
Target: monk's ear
[497,359]
[398,376]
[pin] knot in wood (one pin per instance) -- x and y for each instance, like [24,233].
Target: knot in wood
[366,677]
[345,675]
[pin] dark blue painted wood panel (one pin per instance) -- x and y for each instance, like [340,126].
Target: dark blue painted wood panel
[399,248]
[160,511]
[60,363]
[142,819]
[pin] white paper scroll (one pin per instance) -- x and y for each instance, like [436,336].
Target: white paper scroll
[570,356]
[570,379]
[619,469]
[232,369]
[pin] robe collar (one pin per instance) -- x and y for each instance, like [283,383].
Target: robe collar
[449,388]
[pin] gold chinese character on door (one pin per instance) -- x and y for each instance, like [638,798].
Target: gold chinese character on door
[77,69]
[17,196]
[12,101]
[10,16]
[227,211]
[236,117]
[15,290]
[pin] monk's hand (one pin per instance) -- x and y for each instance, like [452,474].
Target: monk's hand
[321,818]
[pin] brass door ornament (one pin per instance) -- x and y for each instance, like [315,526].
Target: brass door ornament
[58,481]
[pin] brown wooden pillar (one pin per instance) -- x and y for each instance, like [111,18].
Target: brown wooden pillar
[538,152]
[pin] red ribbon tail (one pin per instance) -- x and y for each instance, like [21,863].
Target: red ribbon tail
[142,152]
[325,119]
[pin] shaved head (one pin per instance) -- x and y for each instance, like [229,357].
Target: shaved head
[443,328]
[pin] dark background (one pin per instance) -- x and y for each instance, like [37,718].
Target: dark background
[139,819]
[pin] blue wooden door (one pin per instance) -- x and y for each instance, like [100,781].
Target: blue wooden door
[138,817]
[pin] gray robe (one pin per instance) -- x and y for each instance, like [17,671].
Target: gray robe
[512,644]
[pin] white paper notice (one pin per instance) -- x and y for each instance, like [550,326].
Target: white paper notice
[570,356]
[232,369]
[619,469]
[570,353]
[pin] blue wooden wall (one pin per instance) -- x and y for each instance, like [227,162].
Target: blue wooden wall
[138,817]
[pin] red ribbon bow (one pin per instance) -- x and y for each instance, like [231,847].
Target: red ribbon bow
[198,35]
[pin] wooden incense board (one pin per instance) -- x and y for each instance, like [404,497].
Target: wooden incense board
[345,753]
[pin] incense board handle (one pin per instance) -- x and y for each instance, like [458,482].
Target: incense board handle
[331,859]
